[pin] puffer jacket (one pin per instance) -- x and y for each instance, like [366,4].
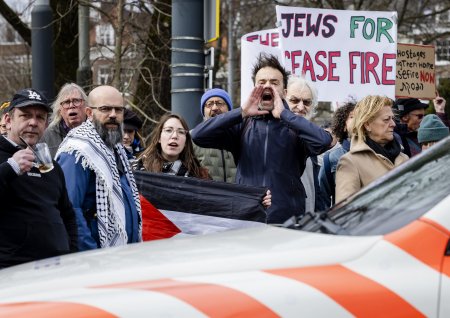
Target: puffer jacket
[220,163]
[269,152]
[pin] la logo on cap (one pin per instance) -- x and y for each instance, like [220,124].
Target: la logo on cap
[34,95]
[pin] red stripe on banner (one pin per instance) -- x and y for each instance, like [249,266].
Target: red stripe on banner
[155,225]
[359,295]
[51,310]
[421,240]
[213,300]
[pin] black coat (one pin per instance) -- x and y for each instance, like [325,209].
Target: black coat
[36,216]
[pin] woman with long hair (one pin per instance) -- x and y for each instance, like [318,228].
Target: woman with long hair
[170,150]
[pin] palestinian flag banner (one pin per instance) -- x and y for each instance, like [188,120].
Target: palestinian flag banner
[173,205]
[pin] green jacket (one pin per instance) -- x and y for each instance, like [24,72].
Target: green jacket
[220,163]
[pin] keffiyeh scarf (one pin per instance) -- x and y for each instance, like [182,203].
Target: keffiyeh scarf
[86,145]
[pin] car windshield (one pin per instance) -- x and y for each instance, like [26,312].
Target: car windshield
[394,200]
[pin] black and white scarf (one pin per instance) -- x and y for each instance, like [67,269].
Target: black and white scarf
[86,145]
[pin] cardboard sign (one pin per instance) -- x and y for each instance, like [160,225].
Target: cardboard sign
[415,71]
[344,53]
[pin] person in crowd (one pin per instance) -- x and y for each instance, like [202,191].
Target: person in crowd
[132,141]
[69,111]
[410,112]
[170,150]
[431,130]
[99,180]
[269,142]
[341,126]
[3,107]
[219,162]
[302,99]
[37,219]
[439,106]
[374,151]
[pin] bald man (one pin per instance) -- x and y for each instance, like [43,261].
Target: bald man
[99,181]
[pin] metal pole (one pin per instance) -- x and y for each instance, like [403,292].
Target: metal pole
[188,59]
[230,51]
[43,68]
[84,73]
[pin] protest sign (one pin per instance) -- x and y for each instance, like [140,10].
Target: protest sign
[343,52]
[252,44]
[415,71]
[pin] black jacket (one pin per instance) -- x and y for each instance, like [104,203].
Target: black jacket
[36,216]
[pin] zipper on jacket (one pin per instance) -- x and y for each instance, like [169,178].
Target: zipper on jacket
[265,152]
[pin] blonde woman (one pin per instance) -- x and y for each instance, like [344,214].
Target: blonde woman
[374,151]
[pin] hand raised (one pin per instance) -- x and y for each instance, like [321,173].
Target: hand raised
[251,106]
[25,159]
[277,104]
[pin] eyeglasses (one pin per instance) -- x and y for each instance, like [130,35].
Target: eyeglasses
[296,101]
[218,103]
[419,116]
[169,131]
[75,102]
[109,109]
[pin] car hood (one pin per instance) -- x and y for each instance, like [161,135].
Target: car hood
[262,248]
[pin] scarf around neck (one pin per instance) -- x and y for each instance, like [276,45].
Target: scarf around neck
[86,145]
[391,150]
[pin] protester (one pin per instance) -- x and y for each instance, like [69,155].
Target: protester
[431,130]
[302,99]
[99,180]
[410,112]
[170,150]
[36,219]
[132,141]
[3,107]
[269,142]
[219,162]
[439,106]
[69,111]
[374,151]
[341,126]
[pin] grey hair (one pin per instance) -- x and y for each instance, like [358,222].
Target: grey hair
[293,79]
[65,90]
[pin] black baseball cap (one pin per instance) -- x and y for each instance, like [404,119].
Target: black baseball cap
[407,105]
[29,97]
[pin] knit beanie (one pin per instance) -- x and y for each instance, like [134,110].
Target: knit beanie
[432,129]
[215,92]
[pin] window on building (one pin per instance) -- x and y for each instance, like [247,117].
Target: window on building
[104,76]
[443,50]
[105,34]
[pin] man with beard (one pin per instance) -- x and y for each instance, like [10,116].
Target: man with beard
[269,142]
[99,181]
[219,162]
[69,111]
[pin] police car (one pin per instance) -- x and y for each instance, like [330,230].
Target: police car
[385,252]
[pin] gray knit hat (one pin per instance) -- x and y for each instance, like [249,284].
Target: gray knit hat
[432,129]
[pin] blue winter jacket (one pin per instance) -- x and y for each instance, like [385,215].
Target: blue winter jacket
[268,152]
[80,184]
